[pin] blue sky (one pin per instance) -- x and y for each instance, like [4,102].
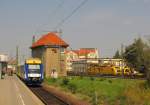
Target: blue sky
[103,24]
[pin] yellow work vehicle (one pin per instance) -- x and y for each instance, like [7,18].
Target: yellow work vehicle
[127,71]
[95,69]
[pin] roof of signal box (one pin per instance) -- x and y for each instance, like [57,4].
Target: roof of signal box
[49,39]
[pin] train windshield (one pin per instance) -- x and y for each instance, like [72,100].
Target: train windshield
[34,68]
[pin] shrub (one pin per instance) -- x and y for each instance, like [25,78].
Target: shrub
[72,87]
[102,79]
[81,77]
[109,81]
[92,78]
[54,79]
[146,85]
[65,81]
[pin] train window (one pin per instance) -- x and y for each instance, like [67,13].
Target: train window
[34,66]
[34,71]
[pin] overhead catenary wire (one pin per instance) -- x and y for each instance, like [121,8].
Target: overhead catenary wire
[52,14]
[70,15]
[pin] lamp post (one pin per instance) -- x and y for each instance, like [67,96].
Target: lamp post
[0,71]
[59,52]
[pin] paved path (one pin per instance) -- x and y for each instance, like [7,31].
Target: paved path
[14,92]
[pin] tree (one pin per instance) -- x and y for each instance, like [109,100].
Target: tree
[117,54]
[147,62]
[138,56]
[134,54]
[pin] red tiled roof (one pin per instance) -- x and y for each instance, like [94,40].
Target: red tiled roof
[69,51]
[83,51]
[49,39]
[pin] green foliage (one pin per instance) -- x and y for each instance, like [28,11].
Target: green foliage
[134,53]
[54,79]
[146,85]
[94,99]
[72,87]
[138,56]
[102,90]
[109,81]
[92,78]
[102,79]
[137,94]
[65,81]
[117,54]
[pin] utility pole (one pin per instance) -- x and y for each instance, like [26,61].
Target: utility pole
[0,70]
[95,97]
[122,51]
[60,55]
[17,57]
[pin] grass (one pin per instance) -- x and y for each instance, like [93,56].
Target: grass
[138,95]
[102,91]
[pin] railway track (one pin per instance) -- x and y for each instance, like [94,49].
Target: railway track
[46,97]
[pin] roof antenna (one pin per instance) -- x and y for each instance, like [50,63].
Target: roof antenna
[33,39]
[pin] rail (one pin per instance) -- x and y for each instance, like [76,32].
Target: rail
[46,97]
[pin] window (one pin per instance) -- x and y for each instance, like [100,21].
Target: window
[54,50]
[34,66]
[62,50]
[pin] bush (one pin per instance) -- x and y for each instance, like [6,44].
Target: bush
[65,81]
[72,87]
[109,81]
[92,78]
[145,85]
[102,79]
[81,77]
[54,79]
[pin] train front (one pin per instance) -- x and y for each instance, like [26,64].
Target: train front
[33,71]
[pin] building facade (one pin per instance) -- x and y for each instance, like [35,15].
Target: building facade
[70,57]
[83,54]
[113,61]
[51,50]
[3,62]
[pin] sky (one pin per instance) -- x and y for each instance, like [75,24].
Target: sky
[102,24]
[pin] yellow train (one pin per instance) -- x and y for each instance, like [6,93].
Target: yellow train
[95,69]
[105,70]
[127,71]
